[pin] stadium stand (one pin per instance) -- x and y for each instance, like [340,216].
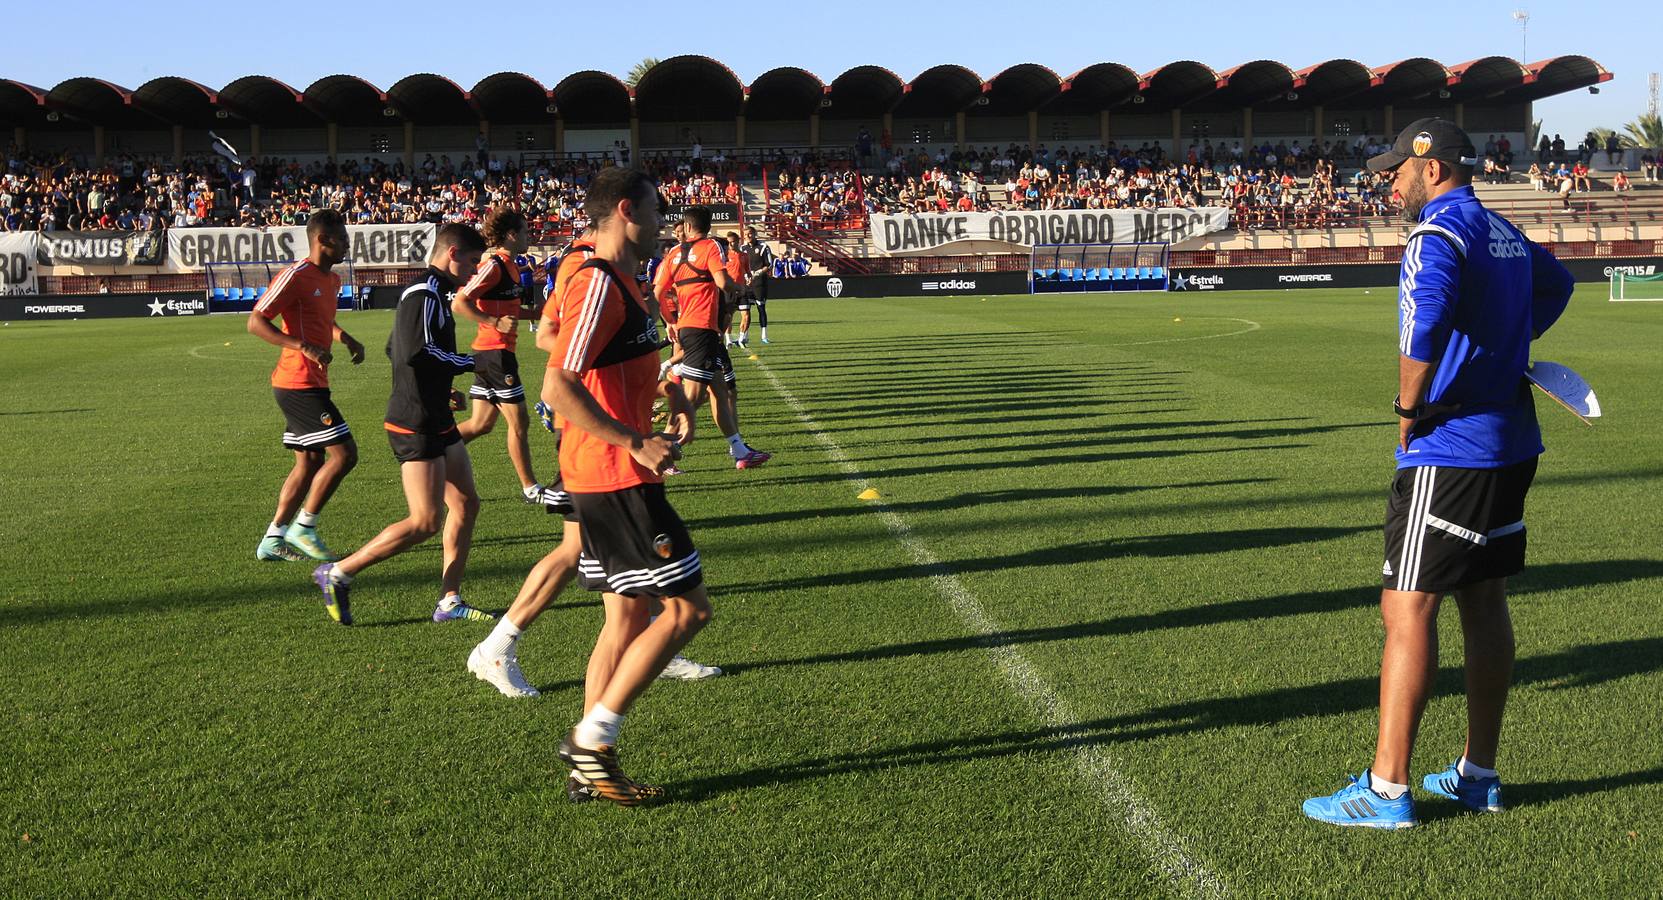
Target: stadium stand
[804,160]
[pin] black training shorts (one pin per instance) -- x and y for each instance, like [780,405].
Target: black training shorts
[417,446]
[634,544]
[496,377]
[704,359]
[310,419]
[1447,528]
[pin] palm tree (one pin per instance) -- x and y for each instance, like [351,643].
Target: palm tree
[1646,132]
[641,68]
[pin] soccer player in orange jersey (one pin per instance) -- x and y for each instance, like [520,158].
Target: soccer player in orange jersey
[696,273]
[602,381]
[495,660]
[304,295]
[492,299]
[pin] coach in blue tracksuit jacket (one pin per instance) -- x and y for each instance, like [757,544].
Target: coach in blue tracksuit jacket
[1472,294]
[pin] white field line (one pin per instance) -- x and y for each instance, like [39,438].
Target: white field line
[1165,848]
[197,352]
[1251,326]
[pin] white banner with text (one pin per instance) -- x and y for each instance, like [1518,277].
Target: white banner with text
[925,232]
[373,246]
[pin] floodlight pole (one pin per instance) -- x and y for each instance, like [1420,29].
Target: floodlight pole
[1522,16]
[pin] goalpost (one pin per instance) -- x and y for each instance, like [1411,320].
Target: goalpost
[1090,268]
[237,286]
[1633,288]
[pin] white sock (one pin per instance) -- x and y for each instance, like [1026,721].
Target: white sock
[599,728]
[736,445]
[1468,770]
[338,576]
[306,519]
[765,332]
[533,492]
[500,642]
[1390,790]
[450,601]
[277,529]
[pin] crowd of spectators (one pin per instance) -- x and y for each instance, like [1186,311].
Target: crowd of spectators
[137,193]
[1276,185]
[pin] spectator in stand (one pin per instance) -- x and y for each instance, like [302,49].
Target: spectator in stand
[1621,184]
[1648,166]
[1580,177]
[1538,181]
[1613,149]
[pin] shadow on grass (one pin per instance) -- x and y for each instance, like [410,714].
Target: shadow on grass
[1152,546]
[1589,664]
[47,412]
[958,501]
[376,591]
[1556,576]
[956,466]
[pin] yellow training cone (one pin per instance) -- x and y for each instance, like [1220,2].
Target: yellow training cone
[755,357]
[1177,320]
[868,494]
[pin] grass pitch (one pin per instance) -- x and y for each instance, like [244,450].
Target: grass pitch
[1111,620]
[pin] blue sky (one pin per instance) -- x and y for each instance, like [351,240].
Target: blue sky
[298,42]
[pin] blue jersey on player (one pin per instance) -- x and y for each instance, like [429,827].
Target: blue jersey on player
[1473,293]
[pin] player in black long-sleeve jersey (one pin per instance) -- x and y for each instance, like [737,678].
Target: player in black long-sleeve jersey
[437,474]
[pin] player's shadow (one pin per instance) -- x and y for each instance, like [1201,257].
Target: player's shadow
[379,591]
[1536,580]
[1151,546]
[47,412]
[957,501]
[1050,418]
[958,466]
[1582,666]
[1032,445]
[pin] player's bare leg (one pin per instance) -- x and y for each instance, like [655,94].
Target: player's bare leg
[519,442]
[339,459]
[631,650]
[424,488]
[1407,669]
[480,422]
[310,484]
[495,660]
[462,509]
[1487,632]
[297,484]
[724,408]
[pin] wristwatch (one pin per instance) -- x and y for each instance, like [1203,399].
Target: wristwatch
[1411,413]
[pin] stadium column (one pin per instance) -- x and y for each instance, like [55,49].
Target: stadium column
[814,130]
[410,145]
[20,137]
[958,129]
[98,144]
[1316,112]
[560,135]
[1387,130]
[1103,127]
[178,145]
[634,129]
[1247,126]
[332,137]
[1177,131]
[254,140]
[1460,115]
[739,131]
[1033,128]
